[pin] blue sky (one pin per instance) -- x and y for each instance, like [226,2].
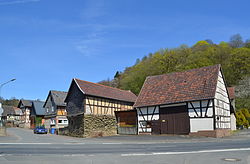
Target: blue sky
[46,43]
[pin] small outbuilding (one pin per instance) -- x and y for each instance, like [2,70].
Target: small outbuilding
[192,102]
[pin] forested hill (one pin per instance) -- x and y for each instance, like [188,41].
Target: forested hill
[234,57]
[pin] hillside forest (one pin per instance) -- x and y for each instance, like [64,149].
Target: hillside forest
[233,55]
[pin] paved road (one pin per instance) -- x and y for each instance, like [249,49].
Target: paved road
[22,146]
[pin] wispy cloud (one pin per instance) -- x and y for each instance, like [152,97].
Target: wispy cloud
[91,44]
[14,2]
[93,9]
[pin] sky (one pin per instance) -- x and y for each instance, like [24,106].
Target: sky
[46,43]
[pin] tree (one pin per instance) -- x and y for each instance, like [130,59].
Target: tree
[236,41]
[247,43]
[246,113]
[241,119]
[240,64]
[209,41]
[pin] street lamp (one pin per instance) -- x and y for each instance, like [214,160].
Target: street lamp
[5,84]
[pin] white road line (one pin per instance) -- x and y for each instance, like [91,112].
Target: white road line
[111,143]
[26,143]
[187,152]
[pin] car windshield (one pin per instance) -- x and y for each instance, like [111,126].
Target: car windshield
[40,127]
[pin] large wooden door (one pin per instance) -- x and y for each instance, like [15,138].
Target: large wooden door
[174,120]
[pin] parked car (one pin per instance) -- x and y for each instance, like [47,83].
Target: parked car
[40,130]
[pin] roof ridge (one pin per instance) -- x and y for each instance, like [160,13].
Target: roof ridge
[104,85]
[57,91]
[188,70]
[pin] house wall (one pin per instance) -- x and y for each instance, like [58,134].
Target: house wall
[222,105]
[145,116]
[201,115]
[233,121]
[76,125]
[75,101]
[47,123]
[102,106]
[61,121]
[50,107]
[26,115]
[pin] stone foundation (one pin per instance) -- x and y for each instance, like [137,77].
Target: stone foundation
[92,125]
[218,133]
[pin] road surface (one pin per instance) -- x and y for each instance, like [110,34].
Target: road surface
[22,146]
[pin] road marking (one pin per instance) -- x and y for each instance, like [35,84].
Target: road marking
[187,152]
[111,143]
[32,143]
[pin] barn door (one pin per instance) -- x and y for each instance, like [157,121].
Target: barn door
[174,120]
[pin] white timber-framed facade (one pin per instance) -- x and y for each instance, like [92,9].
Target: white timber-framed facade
[185,106]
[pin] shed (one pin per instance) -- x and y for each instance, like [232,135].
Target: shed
[194,101]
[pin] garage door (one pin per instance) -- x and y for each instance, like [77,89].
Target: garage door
[174,120]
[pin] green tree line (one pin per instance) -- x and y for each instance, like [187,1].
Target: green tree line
[234,57]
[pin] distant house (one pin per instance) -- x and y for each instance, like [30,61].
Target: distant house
[231,92]
[55,110]
[25,106]
[192,102]
[90,107]
[12,116]
[37,113]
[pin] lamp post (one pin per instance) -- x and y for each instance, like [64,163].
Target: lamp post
[5,84]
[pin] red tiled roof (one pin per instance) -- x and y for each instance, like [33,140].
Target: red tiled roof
[195,84]
[99,90]
[231,92]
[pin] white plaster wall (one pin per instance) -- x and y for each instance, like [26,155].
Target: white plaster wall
[199,124]
[233,122]
[222,107]
[196,105]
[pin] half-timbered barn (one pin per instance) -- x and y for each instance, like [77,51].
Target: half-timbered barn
[91,106]
[195,101]
[55,110]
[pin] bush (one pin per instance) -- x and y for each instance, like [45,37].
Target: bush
[242,118]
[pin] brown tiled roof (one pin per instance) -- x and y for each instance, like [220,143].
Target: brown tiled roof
[195,84]
[231,92]
[99,90]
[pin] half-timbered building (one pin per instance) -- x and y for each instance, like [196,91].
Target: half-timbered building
[91,107]
[195,101]
[55,110]
[25,106]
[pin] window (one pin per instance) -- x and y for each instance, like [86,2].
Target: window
[52,108]
[52,122]
[62,121]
